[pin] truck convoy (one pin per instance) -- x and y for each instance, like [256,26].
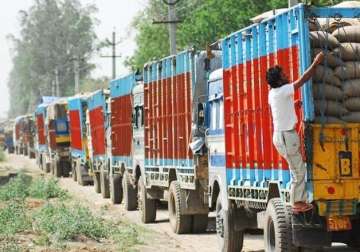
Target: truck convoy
[194,129]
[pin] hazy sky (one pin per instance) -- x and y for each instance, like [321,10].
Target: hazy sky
[112,14]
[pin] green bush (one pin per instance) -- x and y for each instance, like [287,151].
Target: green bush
[2,155]
[46,189]
[17,188]
[61,222]
[13,218]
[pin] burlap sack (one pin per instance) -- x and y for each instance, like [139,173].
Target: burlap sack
[326,91]
[330,59]
[320,39]
[328,119]
[348,34]
[353,117]
[326,74]
[352,104]
[329,108]
[348,51]
[352,88]
[349,70]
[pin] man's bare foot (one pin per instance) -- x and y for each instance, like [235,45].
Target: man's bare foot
[301,207]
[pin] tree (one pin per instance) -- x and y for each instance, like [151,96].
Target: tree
[204,22]
[53,33]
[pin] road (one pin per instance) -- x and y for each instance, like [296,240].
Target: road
[168,241]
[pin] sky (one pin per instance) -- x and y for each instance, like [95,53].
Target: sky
[112,15]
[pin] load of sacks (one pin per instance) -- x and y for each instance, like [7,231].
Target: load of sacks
[336,83]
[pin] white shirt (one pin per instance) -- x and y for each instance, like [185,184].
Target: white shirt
[281,101]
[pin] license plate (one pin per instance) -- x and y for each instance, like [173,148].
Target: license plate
[338,223]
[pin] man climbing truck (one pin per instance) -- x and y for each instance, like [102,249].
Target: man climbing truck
[285,137]
[249,182]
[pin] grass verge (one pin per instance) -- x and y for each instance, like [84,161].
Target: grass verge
[40,207]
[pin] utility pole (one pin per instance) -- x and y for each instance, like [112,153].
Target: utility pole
[172,22]
[113,56]
[76,75]
[292,3]
[172,26]
[57,84]
[53,88]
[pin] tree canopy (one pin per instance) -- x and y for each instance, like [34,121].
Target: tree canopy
[204,22]
[53,34]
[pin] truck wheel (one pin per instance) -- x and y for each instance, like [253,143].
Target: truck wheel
[80,174]
[354,239]
[116,190]
[73,172]
[199,223]
[97,183]
[104,184]
[180,223]
[277,230]
[229,239]
[147,206]
[130,193]
[57,168]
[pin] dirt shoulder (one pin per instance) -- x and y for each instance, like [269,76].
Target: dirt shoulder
[162,237]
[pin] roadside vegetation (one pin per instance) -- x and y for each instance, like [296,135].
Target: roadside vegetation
[2,155]
[37,213]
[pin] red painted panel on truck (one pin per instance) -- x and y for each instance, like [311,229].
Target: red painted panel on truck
[97,123]
[121,123]
[248,122]
[75,129]
[41,129]
[168,118]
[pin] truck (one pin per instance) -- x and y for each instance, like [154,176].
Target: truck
[99,127]
[41,141]
[127,137]
[175,164]
[249,183]
[79,145]
[58,138]
[9,136]
[24,133]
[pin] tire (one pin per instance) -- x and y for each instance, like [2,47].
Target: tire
[73,172]
[277,229]
[104,184]
[199,223]
[57,169]
[52,165]
[97,183]
[354,239]
[130,193]
[147,206]
[116,189]
[80,172]
[229,239]
[180,223]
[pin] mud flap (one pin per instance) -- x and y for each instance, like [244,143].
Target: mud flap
[309,231]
